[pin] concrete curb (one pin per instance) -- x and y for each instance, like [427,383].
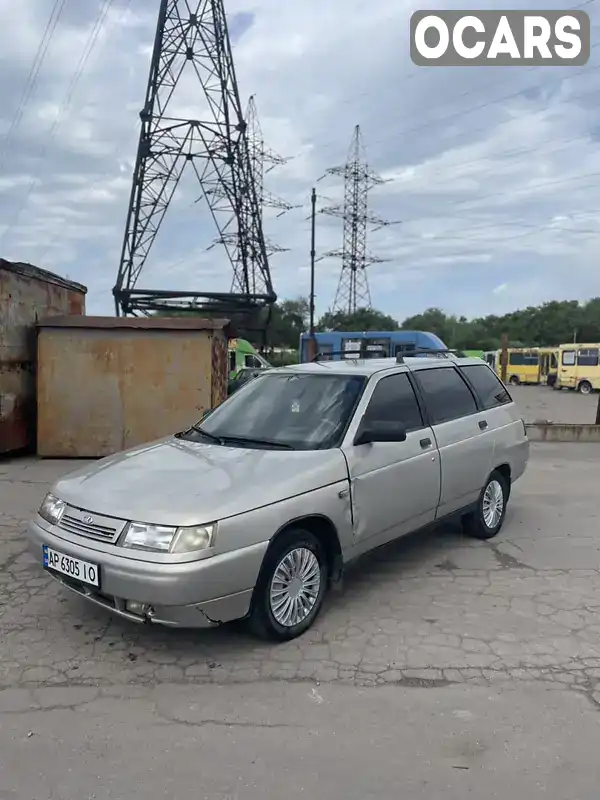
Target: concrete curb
[562,432]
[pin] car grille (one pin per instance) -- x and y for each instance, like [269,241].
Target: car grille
[90,525]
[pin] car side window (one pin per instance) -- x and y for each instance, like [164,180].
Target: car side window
[394,400]
[446,394]
[488,387]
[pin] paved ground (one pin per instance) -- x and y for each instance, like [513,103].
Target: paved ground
[540,403]
[444,667]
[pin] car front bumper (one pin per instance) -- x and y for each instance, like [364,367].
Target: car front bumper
[193,594]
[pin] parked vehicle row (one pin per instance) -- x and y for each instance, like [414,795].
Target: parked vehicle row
[255,510]
[571,366]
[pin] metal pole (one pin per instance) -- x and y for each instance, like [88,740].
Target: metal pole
[313,218]
[503,357]
[312,343]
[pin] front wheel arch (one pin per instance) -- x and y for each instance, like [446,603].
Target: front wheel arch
[262,617]
[325,531]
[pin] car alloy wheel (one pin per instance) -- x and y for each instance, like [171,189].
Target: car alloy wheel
[295,587]
[493,504]
[485,521]
[291,586]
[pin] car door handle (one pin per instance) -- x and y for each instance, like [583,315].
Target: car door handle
[425,444]
[483,424]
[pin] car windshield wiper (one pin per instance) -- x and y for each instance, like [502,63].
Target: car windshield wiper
[248,440]
[202,432]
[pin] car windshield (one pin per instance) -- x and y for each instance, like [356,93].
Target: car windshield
[297,410]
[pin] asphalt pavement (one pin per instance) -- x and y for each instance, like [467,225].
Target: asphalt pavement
[444,667]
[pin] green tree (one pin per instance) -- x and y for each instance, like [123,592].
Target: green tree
[434,320]
[549,324]
[365,319]
[289,319]
[552,323]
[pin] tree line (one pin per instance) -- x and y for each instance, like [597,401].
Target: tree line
[552,323]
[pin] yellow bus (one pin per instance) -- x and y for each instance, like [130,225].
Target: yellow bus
[579,367]
[523,365]
[548,365]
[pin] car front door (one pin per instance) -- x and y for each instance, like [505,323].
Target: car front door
[395,486]
[461,434]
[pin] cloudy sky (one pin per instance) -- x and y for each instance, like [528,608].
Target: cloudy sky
[494,172]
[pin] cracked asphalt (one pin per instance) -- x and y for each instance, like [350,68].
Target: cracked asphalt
[443,666]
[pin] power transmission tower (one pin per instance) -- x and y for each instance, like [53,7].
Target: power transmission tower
[262,161]
[353,287]
[192,43]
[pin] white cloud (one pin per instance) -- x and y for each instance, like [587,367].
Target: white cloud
[495,173]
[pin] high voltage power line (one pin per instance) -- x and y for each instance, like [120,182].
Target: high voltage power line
[75,79]
[32,77]
[428,123]
[560,144]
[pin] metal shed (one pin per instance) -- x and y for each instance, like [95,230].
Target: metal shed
[106,384]
[27,293]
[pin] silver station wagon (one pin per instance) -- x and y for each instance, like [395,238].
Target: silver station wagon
[256,509]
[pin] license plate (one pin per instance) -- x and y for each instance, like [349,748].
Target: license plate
[71,567]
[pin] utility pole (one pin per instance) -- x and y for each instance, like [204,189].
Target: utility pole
[313,224]
[353,288]
[312,342]
[192,44]
[503,356]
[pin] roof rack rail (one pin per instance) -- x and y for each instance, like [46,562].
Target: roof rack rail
[429,351]
[352,355]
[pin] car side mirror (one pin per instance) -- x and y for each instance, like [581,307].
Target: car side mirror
[371,432]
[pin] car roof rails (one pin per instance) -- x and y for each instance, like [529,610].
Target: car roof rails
[425,351]
[351,355]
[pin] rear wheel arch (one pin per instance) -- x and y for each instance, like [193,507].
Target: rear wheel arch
[474,522]
[506,472]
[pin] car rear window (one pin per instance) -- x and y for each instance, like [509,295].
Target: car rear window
[488,387]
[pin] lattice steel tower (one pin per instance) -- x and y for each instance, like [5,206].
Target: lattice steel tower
[192,39]
[262,161]
[353,287]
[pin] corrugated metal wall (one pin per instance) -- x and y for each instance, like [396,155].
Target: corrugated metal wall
[26,295]
[105,389]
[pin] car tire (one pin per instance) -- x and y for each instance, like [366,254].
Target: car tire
[585,387]
[294,566]
[514,380]
[488,517]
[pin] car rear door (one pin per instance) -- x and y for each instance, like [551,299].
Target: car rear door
[395,486]
[460,433]
[504,425]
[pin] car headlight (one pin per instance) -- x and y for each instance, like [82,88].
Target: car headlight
[167,539]
[51,509]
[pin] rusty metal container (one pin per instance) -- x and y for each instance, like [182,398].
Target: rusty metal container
[106,384]
[27,294]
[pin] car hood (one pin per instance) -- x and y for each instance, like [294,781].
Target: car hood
[178,482]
